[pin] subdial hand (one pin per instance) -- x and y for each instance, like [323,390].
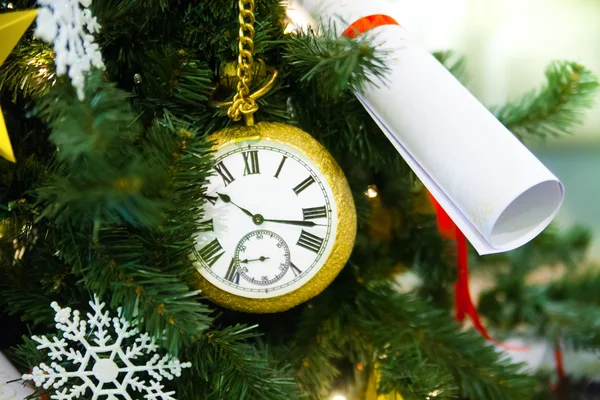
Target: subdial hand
[246,261]
[298,223]
[227,199]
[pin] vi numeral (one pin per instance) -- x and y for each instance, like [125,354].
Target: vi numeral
[211,252]
[251,165]
[224,172]
[233,275]
[309,241]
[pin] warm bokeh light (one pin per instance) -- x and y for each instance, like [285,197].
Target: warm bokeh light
[371,192]
[296,18]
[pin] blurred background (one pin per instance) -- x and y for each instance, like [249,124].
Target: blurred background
[507,45]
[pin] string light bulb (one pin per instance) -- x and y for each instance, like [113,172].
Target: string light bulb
[372,192]
[339,397]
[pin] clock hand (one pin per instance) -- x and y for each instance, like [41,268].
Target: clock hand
[298,223]
[258,219]
[246,261]
[227,199]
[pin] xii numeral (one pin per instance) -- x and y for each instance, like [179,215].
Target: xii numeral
[211,252]
[303,185]
[224,172]
[310,242]
[314,213]
[251,166]
[233,275]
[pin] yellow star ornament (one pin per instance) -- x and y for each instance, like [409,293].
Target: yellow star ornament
[12,26]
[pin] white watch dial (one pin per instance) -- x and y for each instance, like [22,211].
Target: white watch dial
[270,220]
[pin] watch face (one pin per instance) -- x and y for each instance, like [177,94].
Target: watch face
[270,220]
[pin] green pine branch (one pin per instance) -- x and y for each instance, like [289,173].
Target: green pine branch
[29,306]
[405,331]
[29,71]
[392,320]
[551,247]
[321,72]
[531,308]
[556,108]
[336,64]
[153,269]
[583,287]
[170,79]
[33,272]
[541,308]
[122,274]
[228,363]
[411,374]
[315,352]
[101,175]
[578,323]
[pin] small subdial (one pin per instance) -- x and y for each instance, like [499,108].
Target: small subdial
[263,257]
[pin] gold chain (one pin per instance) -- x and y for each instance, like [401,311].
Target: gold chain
[243,104]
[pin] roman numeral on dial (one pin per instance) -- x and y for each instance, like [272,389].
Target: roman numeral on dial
[233,275]
[303,185]
[212,199]
[295,269]
[280,166]
[314,213]
[206,226]
[309,241]
[251,166]
[224,172]
[211,252]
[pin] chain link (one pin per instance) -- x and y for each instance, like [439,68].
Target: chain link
[242,103]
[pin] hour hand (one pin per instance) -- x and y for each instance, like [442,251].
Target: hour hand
[226,199]
[297,223]
[246,261]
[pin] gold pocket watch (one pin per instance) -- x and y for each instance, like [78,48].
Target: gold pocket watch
[280,221]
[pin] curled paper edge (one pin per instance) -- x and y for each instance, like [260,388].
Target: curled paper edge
[479,242]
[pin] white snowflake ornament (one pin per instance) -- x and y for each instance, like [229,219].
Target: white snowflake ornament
[107,369]
[70,27]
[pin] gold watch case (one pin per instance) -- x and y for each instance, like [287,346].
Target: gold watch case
[346,215]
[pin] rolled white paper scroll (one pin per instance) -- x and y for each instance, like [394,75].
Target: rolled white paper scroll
[14,390]
[494,189]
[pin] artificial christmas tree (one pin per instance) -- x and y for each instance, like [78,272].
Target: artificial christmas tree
[114,182]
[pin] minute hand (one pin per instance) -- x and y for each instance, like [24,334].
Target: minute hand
[298,223]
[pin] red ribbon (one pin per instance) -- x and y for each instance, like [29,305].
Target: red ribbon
[367,23]
[462,295]
[559,361]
